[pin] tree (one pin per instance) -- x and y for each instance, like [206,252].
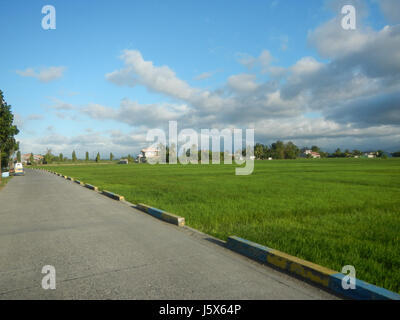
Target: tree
[8,130]
[61,157]
[259,151]
[48,157]
[111,156]
[98,157]
[19,156]
[87,156]
[73,156]
[278,150]
[291,150]
[267,152]
[357,153]
[31,159]
[338,153]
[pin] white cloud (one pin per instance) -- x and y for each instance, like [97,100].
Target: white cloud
[204,75]
[135,114]
[391,9]
[306,65]
[61,105]
[35,117]
[243,82]
[44,75]
[93,142]
[159,79]
[356,92]
[263,61]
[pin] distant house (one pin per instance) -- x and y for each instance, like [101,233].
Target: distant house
[370,155]
[38,158]
[123,161]
[25,158]
[312,154]
[148,153]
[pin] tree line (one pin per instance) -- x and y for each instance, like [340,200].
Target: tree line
[50,158]
[8,131]
[277,150]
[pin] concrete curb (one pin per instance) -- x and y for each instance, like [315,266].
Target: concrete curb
[162,215]
[79,182]
[330,279]
[89,186]
[113,195]
[71,179]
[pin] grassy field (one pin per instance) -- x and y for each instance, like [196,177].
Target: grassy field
[4,182]
[333,212]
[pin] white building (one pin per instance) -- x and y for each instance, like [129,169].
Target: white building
[312,154]
[148,153]
[370,154]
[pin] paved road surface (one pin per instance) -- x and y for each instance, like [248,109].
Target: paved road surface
[104,249]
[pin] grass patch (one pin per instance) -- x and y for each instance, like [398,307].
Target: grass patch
[4,181]
[333,212]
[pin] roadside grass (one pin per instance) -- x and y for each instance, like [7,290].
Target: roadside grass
[333,212]
[4,181]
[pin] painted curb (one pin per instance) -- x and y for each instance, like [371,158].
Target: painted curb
[113,195]
[79,182]
[162,215]
[89,186]
[322,276]
[71,179]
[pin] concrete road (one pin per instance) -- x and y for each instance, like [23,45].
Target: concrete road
[104,249]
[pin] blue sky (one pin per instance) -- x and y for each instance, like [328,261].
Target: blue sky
[112,70]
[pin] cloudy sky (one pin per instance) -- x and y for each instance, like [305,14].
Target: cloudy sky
[112,70]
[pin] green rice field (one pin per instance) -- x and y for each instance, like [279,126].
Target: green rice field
[333,212]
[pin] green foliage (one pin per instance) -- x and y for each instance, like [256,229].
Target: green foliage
[31,159]
[111,156]
[98,157]
[277,150]
[19,156]
[8,144]
[315,149]
[74,156]
[49,157]
[357,153]
[87,156]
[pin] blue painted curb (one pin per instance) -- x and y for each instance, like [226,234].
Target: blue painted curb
[89,186]
[363,290]
[113,195]
[330,279]
[162,215]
